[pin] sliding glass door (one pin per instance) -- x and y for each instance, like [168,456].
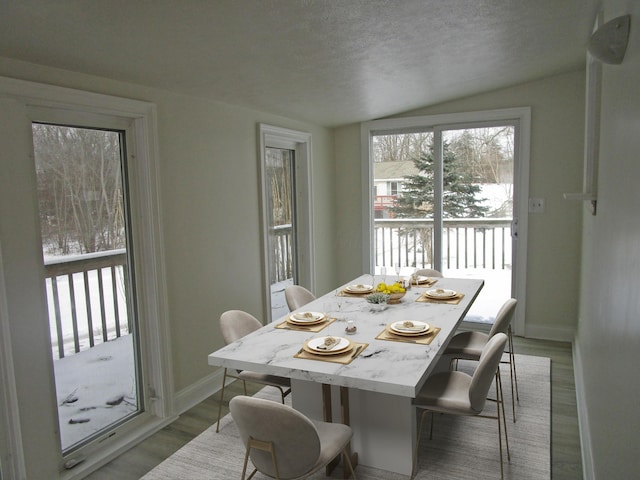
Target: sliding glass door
[444,197]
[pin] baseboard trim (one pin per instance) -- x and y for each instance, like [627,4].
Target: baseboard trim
[195,393]
[559,334]
[588,470]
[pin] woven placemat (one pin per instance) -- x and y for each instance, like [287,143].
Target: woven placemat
[450,301]
[343,358]
[306,328]
[419,339]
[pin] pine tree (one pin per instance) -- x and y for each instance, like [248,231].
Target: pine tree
[459,196]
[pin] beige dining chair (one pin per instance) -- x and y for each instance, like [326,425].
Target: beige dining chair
[297,296]
[428,272]
[283,443]
[458,393]
[234,325]
[469,345]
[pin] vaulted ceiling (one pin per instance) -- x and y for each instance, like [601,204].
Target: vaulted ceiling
[329,62]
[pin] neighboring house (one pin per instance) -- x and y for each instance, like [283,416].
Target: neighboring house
[388,178]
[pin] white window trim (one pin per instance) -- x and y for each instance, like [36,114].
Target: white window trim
[278,137]
[149,258]
[521,115]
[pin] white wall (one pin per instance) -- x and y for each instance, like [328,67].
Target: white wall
[557,138]
[607,346]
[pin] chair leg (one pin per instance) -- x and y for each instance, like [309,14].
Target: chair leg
[504,417]
[513,374]
[513,362]
[498,394]
[347,461]
[265,446]
[283,394]
[224,381]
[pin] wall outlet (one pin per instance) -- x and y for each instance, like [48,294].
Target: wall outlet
[536,205]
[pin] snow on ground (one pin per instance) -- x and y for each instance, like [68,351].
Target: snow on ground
[95,388]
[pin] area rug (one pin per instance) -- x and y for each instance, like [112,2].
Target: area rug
[462,447]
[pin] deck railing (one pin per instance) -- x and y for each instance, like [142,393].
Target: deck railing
[466,243]
[282,253]
[87,300]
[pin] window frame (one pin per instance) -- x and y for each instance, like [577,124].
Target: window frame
[152,308]
[300,142]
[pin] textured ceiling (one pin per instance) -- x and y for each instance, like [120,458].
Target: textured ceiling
[329,62]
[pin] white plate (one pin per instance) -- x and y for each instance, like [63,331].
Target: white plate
[421,279]
[441,293]
[315,343]
[359,288]
[307,317]
[418,328]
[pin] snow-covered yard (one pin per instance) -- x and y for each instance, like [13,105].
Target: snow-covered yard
[95,388]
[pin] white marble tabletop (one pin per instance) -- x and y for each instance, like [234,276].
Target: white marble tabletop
[384,366]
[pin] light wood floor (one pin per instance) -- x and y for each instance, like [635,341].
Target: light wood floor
[566,463]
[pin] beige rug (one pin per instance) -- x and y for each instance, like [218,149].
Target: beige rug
[462,448]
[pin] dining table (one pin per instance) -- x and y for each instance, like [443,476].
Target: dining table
[383,355]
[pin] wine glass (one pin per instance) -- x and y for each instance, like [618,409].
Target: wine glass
[339,303]
[397,268]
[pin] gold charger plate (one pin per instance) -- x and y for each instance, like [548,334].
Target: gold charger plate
[301,318]
[386,334]
[320,340]
[359,289]
[446,294]
[343,357]
[406,333]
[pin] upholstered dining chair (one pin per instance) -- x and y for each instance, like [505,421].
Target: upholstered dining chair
[428,272]
[458,393]
[469,345]
[283,443]
[234,325]
[297,296]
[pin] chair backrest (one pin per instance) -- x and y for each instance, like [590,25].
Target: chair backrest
[236,324]
[297,296]
[486,371]
[504,317]
[429,272]
[294,437]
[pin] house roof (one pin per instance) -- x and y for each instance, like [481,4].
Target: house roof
[329,62]
[393,170]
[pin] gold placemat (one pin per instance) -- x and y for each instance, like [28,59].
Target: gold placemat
[450,301]
[420,339]
[306,328]
[343,358]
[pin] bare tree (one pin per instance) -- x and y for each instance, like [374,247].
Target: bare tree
[80,188]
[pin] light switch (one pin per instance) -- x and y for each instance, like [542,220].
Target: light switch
[536,205]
